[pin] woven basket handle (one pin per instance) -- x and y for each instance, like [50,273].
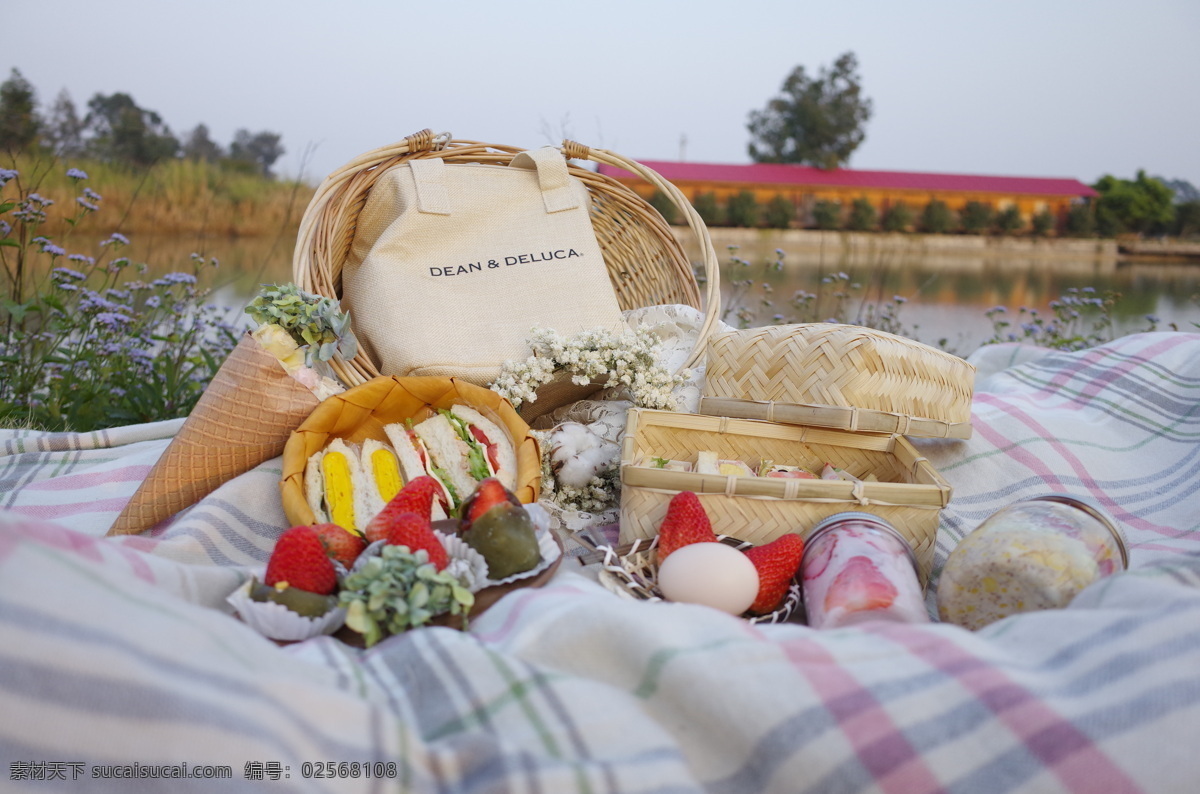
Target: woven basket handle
[712,271]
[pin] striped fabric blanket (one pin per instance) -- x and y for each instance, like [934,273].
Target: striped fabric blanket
[120,663]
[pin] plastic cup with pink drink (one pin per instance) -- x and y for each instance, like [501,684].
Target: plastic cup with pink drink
[857,567]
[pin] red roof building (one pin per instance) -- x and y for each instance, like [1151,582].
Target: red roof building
[804,185]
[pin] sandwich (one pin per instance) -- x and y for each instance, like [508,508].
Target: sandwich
[457,447]
[769,468]
[707,462]
[333,485]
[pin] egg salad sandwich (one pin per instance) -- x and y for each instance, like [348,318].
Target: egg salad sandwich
[333,481]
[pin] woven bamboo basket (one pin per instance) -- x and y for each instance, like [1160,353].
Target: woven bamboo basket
[839,376]
[632,572]
[906,491]
[646,264]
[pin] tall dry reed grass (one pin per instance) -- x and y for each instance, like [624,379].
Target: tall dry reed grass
[175,197]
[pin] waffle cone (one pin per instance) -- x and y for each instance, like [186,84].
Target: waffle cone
[242,419]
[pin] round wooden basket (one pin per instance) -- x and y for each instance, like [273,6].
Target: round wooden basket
[645,262]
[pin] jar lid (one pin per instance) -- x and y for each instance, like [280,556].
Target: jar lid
[828,523]
[1092,508]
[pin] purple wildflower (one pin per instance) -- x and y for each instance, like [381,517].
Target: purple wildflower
[153,302]
[177,278]
[6,175]
[68,273]
[91,194]
[116,237]
[52,249]
[75,173]
[82,258]
[113,319]
[87,205]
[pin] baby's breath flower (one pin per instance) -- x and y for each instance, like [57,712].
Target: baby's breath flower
[629,359]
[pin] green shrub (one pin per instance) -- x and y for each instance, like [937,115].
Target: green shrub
[1042,223]
[742,210]
[665,206]
[779,213]
[937,218]
[708,209]
[897,218]
[827,215]
[1080,222]
[976,217]
[862,216]
[1009,220]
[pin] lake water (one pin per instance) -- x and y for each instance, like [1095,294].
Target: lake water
[947,296]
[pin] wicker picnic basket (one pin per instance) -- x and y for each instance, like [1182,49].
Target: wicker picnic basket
[839,376]
[646,264]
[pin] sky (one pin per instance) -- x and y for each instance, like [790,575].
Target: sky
[1050,88]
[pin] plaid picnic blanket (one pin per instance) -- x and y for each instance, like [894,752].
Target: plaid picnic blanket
[120,665]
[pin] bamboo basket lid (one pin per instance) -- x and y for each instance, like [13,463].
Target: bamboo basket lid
[838,376]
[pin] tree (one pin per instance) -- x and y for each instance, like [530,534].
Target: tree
[63,129]
[897,218]
[665,206]
[1080,221]
[937,218]
[1143,205]
[261,149]
[827,215]
[779,213]
[707,208]
[199,146]
[862,216]
[976,217]
[818,121]
[125,133]
[18,113]
[742,210]
[1009,220]
[1187,219]
[1042,223]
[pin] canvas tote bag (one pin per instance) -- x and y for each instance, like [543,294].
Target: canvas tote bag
[452,265]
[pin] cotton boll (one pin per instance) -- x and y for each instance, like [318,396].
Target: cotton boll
[577,454]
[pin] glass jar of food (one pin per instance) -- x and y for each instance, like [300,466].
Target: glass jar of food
[857,567]
[1034,554]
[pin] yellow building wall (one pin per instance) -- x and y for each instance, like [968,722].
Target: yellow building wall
[804,196]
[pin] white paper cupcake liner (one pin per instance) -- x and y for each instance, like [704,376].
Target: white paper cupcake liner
[277,622]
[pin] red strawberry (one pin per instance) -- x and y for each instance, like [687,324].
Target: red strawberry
[414,531]
[340,544]
[415,497]
[776,563]
[299,559]
[489,493]
[860,587]
[685,523]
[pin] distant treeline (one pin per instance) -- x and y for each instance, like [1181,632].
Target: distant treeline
[149,180]
[115,129]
